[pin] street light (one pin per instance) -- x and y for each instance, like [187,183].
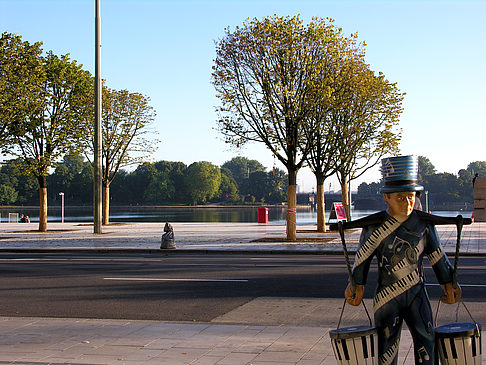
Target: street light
[62,207]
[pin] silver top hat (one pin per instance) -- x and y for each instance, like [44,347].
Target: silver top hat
[400,174]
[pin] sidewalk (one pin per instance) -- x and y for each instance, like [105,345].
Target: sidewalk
[88,341]
[283,334]
[251,237]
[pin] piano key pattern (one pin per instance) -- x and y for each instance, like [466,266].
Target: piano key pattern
[435,256]
[394,290]
[460,350]
[378,235]
[358,350]
[389,355]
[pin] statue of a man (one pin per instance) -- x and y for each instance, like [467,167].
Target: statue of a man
[399,244]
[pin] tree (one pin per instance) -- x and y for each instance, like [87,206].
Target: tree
[20,81]
[137,183]
[159,188]
[262,74]
[74,177]
[365,113]
[333,52]
[26,186]
[444,187]
[465,178]
[477,167]
[8,195]
[47,126]
[425,170]
[175,172]
[126,119]
[203,180]
[241,169]
[277,186]
[228,191]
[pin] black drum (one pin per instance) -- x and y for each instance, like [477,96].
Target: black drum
[355,345]
[459,343]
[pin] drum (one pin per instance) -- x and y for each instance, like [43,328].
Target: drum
[459,343]
[355,345]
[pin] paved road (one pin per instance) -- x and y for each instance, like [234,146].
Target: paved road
[181,287]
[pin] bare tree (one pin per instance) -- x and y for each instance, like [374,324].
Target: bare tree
[366,114]
[263,75]
[126,120]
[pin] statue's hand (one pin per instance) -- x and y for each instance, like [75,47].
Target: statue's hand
[452,294]
[354,299]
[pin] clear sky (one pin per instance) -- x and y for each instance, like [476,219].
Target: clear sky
[434,50]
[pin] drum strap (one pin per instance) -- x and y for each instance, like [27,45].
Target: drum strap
[467,310]
[342,311]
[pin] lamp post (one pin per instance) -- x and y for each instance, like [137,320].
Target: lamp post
[62,206]
[97,188]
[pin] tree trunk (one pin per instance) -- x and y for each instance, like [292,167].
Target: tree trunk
[321,215]
[345,196]
[106,204]
[292,206]
[292,213]
[42,204]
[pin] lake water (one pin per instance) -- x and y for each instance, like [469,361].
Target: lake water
[305,215]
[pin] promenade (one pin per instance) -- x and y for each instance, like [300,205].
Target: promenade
[284,334]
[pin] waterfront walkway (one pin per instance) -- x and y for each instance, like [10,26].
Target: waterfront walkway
[252,237]
[283,335]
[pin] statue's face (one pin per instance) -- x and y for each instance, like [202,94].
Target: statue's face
[400,205]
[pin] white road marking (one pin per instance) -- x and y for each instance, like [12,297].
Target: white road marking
[178,279]
[463,285]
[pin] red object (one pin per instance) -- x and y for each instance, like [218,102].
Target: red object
[262,215]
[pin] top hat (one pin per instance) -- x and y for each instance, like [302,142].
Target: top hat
[400,174]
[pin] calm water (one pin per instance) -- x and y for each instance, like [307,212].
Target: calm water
[184,214]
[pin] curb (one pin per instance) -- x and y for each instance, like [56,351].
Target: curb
[190,251]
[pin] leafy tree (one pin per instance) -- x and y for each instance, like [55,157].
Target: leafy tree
[365,112]
[25,185]
[444,187]
[277,186]
[241,169]
[175,172]
[74,177]
[334,52]
[369,190]
[21,74]
[8,195]
[50,113]
[262,74]
[138,181]
[425,170]
[126,118]
[121,188]
[228,191]
[203,180]
[465,178]
[477,167]
[159,188]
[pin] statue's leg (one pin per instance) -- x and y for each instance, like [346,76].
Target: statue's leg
[420,321]
[388,324]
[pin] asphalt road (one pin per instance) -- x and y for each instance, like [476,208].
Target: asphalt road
[180,287]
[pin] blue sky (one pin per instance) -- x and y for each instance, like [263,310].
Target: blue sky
[165,49]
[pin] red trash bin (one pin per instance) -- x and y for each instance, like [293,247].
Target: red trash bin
[262,215]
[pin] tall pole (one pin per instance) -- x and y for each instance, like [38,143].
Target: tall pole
[97,199]
[62,206]
[350,198]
